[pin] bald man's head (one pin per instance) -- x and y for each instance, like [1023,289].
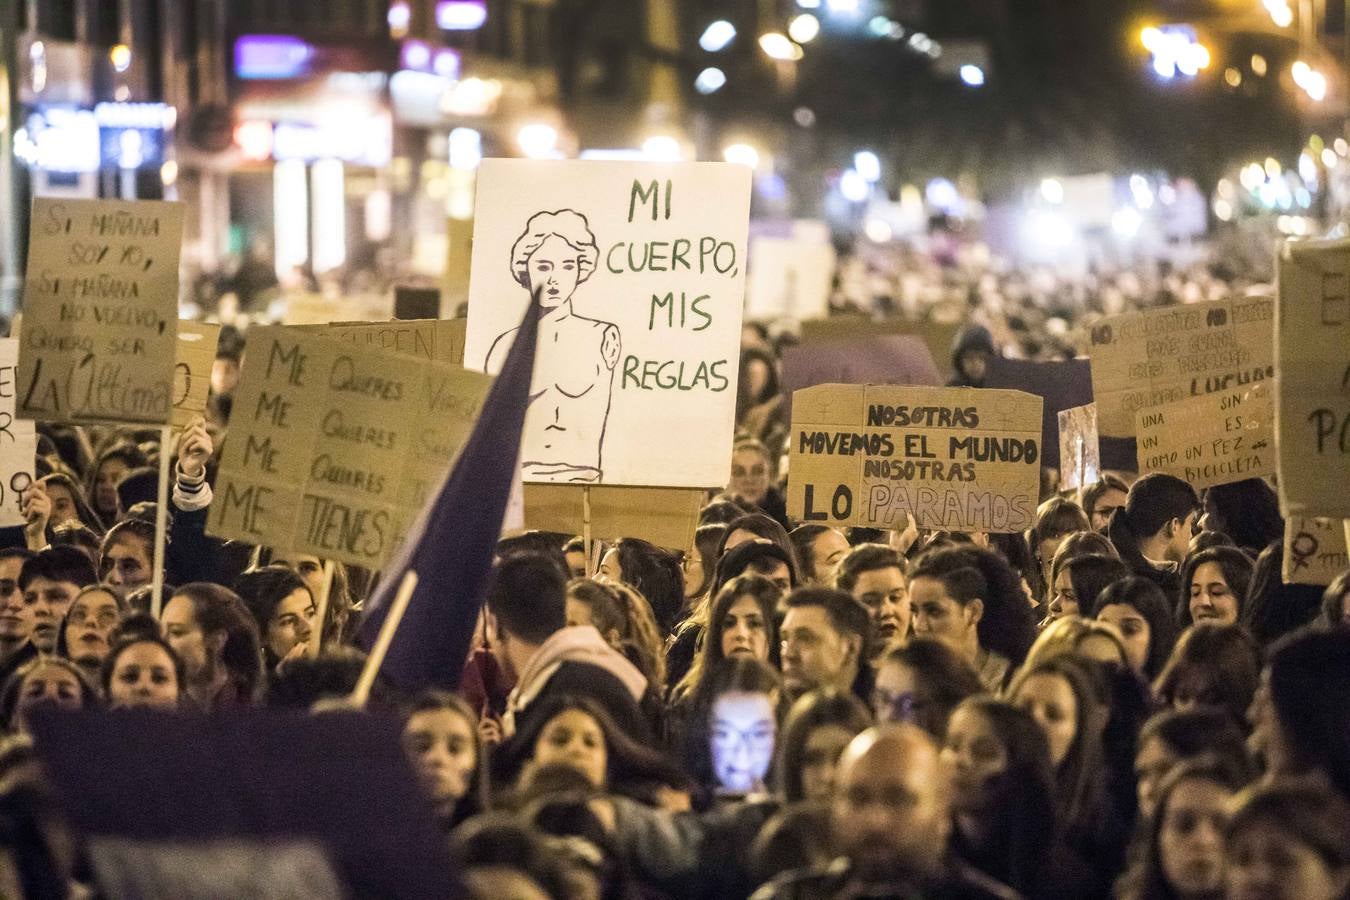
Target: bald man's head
[890,813]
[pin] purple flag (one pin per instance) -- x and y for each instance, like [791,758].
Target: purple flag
[451,545]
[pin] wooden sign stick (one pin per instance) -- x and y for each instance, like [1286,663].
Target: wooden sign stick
[361,693]
[321,610]
[166,461]
[592,565]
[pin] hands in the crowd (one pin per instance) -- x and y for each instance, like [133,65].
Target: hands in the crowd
[195,448]
[36,507]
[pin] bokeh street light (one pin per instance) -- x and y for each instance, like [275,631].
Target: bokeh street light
[538,140]
[1310,81]
[717,36]
[710,80]
[804,28]
[741,154]
[971,75]
[662,148]
[777,46]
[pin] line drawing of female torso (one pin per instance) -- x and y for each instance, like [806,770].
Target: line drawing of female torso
[575,359]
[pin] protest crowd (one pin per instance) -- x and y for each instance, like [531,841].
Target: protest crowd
[1125,698]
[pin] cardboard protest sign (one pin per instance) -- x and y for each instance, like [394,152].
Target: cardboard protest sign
[1312,407]
[790,278]
[1080,457]
[437,340]
[267,779]
[196,355]
[640,269]
[333,448]
[1209,440]
[455,279]
[100,300]
[1061,384]
[1145,359]
[885,359]
[668,517]
[957,459]
[18,440]
[1314,550]
[319,309]
[938,336]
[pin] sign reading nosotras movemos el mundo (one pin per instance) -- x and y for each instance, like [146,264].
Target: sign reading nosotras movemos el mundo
[1145,359]
[1314,550]
[957,459]
[335,448]
[100,302]
[1209,440]
[1312,353]
[18,441]
[640,270]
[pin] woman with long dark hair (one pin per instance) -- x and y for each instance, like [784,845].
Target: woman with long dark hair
[1214,585]
[1004,819]
[440,737]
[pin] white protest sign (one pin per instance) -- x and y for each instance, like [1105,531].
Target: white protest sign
[641,273]
[1314,550]
[18,440]
[790,278]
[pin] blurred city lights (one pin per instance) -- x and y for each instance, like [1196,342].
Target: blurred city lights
[1141,191]
[809,4]
[972,75]
[804,28]
[1259,66]
[399,18]
[877,229]
[854,187]
[1272,166]
[1052,191]
[1125,222]
[843,7]
[1175,50]
[1048,231]
[866,164]
[662,148]
[741,154]
[253,137]
[465,148]
[1307,168]
[710,80]
[777,46]
[1232,76]
[120,56]
[538,140]
[1280,12]
[1312,82]
[804,116]
[1342,146]
[717,36]
[942,195]
[1330,159]
[879,26]
[1252,176]
[168,173]
[1223,209]
[461,15]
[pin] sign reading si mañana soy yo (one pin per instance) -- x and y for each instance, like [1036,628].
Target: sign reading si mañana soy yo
[956,459]
[640,273]
[100,304]
[1145,359]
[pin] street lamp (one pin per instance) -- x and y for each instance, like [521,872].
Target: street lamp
[972,75]
[741,154]
[804,28]
[710,80]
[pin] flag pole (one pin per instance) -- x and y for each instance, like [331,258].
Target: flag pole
[161,520]
[361,693]
[321,610]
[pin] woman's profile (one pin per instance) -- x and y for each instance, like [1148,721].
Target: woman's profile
[574,364]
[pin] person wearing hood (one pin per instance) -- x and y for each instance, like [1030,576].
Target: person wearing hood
[971,352]
[527,605]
